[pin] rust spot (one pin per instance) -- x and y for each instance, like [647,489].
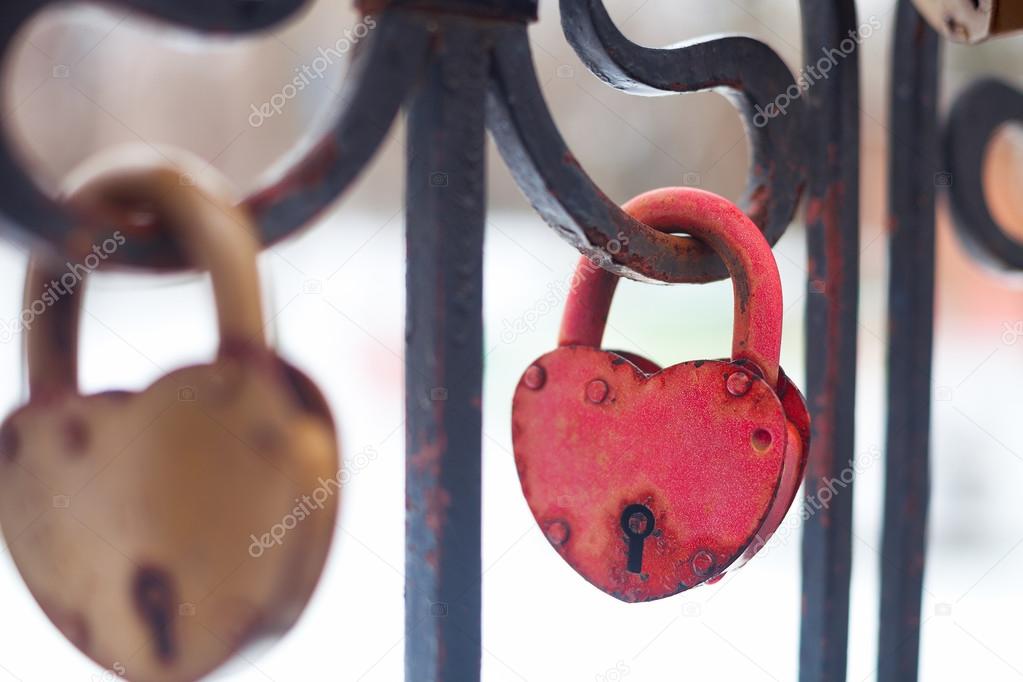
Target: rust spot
[76,435]
[891,224]
[439,500]
[824,214]
[314,171]
[10,442]
[308,395]
[427,457]
[155,600]
[266,439]
[758,203]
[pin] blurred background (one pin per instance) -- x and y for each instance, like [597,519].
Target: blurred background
[84,80]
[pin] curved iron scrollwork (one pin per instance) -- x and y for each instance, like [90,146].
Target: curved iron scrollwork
[562,192]
[977,114]
[748,71]
[390,62]
[383,71]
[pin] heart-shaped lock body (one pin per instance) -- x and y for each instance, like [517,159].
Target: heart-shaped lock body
[651,481]
[164,531]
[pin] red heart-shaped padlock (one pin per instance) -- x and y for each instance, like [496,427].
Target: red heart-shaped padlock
[647,481]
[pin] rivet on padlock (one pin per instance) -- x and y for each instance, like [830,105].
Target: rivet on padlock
[153,563]
[658,480]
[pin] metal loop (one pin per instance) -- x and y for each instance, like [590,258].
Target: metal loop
[213,235]
[976,116]
[723,227]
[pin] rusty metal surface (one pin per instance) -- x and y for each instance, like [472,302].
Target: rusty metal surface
[977,114]
[832,136]
[444,358]
[913,173]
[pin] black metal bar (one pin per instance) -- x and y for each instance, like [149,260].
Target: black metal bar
[444,358]
[914,169]
[513,10]
[832,223]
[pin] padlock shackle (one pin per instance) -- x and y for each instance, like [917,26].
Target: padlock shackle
[756,335]
[213,233]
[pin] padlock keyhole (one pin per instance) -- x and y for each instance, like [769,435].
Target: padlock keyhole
[155,600]
[638,524]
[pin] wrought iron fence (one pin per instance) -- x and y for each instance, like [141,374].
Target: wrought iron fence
[463,67]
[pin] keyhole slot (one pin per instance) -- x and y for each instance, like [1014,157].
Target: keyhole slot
[638,524]
[155,601]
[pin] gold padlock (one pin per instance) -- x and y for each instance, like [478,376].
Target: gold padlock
[165,531]
[972,21]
